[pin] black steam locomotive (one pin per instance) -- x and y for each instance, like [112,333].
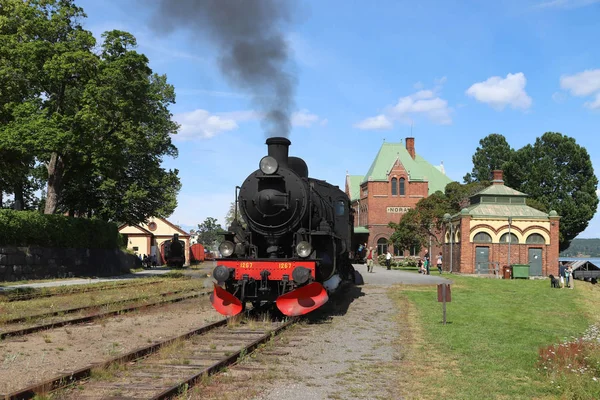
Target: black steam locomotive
[295,248]
[174,252]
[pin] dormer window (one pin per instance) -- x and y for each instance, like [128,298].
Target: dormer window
[402,188]
[394,187]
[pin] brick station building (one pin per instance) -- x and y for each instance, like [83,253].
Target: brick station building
[397,179]
[498,222]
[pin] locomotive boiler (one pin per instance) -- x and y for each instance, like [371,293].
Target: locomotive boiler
[295,248]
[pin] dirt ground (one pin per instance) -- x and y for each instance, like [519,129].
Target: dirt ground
[32,358]
[347,350]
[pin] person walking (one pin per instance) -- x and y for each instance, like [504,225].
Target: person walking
[569,277]
[439,263]
[388,260]
[562,271]
[370,260]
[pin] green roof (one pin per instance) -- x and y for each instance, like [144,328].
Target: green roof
[353,182]
[360,229]
[505,211]
[499,190]
[418,169]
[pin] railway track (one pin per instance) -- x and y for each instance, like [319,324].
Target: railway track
[12,295]
[164,369]
[88,318]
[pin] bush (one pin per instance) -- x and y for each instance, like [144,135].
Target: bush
[30,228]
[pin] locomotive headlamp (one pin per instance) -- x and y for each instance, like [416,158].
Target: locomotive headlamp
[303,249]
[221,273]
[268,165]
[226,248]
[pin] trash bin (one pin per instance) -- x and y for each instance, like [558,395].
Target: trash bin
[520,271]
[506,272]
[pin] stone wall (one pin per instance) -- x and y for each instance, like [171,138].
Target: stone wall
[23,263]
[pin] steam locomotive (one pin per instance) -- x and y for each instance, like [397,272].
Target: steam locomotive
[295,248]
[174,252]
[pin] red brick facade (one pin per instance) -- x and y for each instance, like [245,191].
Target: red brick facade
[466,225]
[379,204]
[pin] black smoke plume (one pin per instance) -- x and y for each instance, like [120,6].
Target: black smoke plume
[253,51]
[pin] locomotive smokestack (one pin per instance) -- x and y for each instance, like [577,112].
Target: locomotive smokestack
[279,149]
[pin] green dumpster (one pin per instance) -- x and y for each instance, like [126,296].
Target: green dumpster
[520,271]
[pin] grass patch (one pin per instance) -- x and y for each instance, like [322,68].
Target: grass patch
[490,348]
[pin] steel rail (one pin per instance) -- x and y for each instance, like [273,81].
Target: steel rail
[68,379]
[175,390]
[88,318]
[6,295]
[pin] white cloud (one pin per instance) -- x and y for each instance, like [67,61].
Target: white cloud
[423,102]
[201,124]
[500,92]
[566,3]
[583,83]
[375,123]
[594,105]
[305,119]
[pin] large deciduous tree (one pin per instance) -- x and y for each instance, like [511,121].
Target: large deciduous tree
[493,152]
[209,232]
[99,122]
[558,174]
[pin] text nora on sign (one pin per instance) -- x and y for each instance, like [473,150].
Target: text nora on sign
[398,210]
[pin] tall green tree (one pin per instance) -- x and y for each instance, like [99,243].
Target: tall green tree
[558,174]
[209,232]
[229,218]
[493,152]
[99,122]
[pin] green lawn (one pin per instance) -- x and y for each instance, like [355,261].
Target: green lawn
[489,348]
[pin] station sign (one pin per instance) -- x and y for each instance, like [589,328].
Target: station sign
[397,210]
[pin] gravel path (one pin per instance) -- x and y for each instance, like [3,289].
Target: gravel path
[349,349]
[29,359]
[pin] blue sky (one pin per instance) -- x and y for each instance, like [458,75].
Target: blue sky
[365,72]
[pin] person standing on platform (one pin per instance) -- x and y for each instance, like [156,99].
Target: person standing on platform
[388,260]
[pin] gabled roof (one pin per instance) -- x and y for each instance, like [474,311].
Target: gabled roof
[353,182]
[418,169]
[135,227]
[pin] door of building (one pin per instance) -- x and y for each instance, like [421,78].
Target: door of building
[535,262]
[482,259]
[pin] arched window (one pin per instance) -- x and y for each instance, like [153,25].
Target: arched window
[513,238]
[402,190]
[382,246]
[535,238]
[394,187]
[482,237]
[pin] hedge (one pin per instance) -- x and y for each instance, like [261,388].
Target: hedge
[30,228]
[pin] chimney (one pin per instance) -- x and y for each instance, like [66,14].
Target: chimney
[278,149]
[410,146]
[497,177]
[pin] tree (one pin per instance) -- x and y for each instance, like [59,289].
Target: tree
[421,223]
[209,232]
[558,174]
[100,123]
[229,218]
[493,152]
